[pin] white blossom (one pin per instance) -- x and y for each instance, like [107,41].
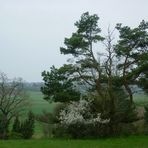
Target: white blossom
[75,112]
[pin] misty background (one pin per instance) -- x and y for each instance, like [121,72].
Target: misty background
[32,31]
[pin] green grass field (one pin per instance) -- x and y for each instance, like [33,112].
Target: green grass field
[128,142]
[37,103]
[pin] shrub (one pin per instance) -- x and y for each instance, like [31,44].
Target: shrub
[16,128]
[50,120]
[47,130]
[27,127]
[127,129]
[77,121]
[80,120]
[24,129]
[15,135]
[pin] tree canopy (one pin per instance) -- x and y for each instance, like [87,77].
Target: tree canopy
[106,77]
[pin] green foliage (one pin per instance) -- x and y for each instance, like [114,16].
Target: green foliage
[15,135]
[127,129]
[58,85]
[86,34]
[50,122]
[82,131]
[109,85]
[125,112]
[24,129]
[80,46]
[27,127]
[132,48]
[122,114]
[143,81]
[16,128]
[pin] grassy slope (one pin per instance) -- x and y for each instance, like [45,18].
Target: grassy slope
[129,142]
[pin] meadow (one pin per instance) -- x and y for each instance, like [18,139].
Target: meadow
[37,103]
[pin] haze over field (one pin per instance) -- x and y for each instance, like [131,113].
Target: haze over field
[32,31]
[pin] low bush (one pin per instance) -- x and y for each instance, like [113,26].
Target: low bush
[15,135]
[24,129]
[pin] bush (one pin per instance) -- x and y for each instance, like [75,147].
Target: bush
[47,130]
[50,120]
[82,119]
[23,129]
[27,127]
[127,129]
[86,119]
[77,121]
[58,131]
[16,128]
[15,135]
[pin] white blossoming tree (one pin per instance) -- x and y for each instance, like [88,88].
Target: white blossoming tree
[80,112]
[78,115]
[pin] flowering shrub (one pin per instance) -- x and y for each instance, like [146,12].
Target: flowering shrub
[80,112]
[79,121]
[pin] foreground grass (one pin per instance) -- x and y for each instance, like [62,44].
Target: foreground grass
[128,142]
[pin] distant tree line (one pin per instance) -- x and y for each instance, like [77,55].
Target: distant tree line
[32,86]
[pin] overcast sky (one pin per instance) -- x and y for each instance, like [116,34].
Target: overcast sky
[32,31]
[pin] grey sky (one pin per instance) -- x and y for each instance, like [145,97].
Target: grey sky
[31,31]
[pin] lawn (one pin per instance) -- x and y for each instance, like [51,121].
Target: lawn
[128,142]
